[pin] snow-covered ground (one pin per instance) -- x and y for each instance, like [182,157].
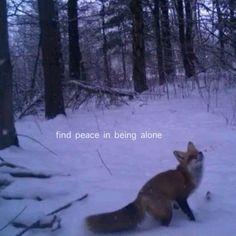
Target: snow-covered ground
[78,169]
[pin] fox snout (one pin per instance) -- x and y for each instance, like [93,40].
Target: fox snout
[200,157]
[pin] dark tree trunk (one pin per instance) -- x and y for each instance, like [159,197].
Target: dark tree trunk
[74,48]
[166,41]
[189,36]
[159,46]
[105,49]
[139,71]
[8,135]
[185,36]
[123,51]
[53,75]
[232,8]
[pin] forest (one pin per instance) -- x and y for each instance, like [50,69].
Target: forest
[82,80]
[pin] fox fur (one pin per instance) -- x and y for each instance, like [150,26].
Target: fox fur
[157,196]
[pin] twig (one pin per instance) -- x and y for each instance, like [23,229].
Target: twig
[30,175]
[67,205]
[51,213]
[29,106]
[35,140]
[8,164]
[5,226]
[104,164]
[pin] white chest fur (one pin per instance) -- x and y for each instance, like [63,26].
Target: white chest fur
[196,172]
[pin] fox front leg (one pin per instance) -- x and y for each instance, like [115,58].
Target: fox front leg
[183,204]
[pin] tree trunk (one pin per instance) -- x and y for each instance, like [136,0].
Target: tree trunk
[166,41]
[74,48]
[105,49]
[185,36]
[232,8]
[53,75]
[159,46]
[189,36]
[123,55]
[139,71]
[8,135]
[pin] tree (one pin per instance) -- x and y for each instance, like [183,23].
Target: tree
[74,47]
[139,71]
[8,135]
[108,81]
[185,22]
[118,22]
[54,103]
[159,46]
[166,38]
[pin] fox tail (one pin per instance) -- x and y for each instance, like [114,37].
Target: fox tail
[126,218]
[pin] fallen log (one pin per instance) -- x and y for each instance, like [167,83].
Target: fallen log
[102,90]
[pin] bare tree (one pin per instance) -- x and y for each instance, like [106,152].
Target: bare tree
[166,37]
[159,46]
[8,135]
[139,71]
[185,22]
[105,48]
[74,47]
[53,75]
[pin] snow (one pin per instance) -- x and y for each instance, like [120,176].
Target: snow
[77,169]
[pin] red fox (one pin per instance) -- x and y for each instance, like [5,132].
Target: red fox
[156,196]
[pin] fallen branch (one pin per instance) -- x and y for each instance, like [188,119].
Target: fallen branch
[35,140]
[30,175]
[99,90]
[8,164]
[67,205]
[11,221]
[4,183]
[47,222]
[37,198]
[102,161]
[37,223]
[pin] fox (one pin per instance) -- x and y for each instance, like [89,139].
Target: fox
[157,196]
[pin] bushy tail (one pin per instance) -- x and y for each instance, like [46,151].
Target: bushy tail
[126,218]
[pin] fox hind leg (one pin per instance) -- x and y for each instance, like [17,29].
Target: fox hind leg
[160,209]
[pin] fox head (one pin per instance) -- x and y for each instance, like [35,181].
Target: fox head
[192,160]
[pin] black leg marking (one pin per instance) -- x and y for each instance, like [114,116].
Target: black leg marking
[166,222]
[185,208]
[175,206]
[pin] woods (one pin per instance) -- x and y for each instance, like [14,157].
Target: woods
[97,97]
[7,128]
[113,47]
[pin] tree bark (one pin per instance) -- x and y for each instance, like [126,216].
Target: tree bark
[159,46]
[74,47]
[105,49]
[54,103]
[139,71]
[8,135]
[185,23]
[232,8]
[166,41]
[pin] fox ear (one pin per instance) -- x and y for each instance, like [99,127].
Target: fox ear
[179,155]
[191,146]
